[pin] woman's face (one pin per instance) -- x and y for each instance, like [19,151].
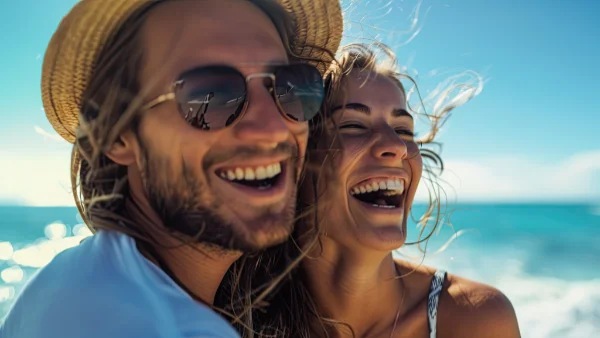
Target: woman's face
[378,169]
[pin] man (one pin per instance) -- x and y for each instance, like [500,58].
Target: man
[190,122]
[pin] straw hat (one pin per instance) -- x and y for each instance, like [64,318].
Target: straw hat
[73,50]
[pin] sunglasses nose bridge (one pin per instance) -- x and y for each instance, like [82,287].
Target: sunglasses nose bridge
[270,86]
[261,76]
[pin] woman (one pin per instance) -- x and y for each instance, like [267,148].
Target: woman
[348,283]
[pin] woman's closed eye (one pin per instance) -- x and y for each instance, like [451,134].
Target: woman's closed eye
[352,126]
[405,132]
[400,131]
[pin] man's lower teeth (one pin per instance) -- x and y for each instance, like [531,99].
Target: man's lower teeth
[384,206]
[257,184]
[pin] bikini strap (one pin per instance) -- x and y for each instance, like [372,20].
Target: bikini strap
[437,284]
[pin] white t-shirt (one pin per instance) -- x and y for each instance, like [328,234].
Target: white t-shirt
[104,288]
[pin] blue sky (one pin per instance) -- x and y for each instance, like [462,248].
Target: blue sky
[531,135]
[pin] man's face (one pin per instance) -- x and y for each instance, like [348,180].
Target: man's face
[185,170]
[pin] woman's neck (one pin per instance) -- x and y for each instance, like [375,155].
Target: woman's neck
[359,289]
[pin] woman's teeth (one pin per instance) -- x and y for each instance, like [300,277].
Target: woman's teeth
[251,174]
[393,187]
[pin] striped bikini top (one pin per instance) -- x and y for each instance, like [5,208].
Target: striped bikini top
[437,284]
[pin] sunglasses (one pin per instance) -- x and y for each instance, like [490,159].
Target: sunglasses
[214,97]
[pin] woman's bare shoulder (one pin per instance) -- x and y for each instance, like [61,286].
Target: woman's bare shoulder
[416,276]
[415,270]
[466,308]
[471,309]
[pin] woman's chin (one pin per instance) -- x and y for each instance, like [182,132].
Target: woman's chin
[383,237]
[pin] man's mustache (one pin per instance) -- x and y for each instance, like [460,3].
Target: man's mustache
[241,153]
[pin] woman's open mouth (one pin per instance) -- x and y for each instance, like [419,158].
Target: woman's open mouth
[386,193]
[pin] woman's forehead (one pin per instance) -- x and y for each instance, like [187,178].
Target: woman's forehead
[372,89]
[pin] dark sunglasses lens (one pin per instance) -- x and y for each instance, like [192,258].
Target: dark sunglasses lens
[299,91]
[211,98]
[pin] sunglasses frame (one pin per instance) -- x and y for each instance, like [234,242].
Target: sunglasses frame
[171,95]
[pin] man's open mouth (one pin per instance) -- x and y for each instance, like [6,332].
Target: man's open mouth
[259,177]
[384,193]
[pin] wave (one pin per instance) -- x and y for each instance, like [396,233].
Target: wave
[549,307]
[546,307]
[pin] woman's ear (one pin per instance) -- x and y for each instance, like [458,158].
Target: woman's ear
[124,150]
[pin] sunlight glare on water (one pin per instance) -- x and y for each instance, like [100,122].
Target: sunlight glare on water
[55,231]
[43,251]
[81,230]
[14,274]
[6,251]
[6,293]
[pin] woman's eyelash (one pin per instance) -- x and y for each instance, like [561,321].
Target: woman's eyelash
[352,125]
[359,126]
[405,132]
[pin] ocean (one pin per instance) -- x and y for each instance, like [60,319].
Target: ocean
[545,258]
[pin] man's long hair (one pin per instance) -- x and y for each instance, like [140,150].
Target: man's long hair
[112,105]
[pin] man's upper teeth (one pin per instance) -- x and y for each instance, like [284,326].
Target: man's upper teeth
[395,185]
[251,174]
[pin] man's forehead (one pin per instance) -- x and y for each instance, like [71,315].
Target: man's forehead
[186,34]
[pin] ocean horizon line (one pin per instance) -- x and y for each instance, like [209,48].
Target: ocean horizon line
[416,203]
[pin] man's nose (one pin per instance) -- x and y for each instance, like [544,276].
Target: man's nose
[263,123]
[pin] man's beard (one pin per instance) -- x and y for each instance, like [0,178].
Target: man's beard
[186,205]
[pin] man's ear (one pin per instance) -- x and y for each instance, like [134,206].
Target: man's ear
[124,150]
